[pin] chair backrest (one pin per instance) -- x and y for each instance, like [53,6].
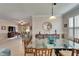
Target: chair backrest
[26,43]
[43,52]
[30,51]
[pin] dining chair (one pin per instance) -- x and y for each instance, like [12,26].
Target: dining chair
[27,48]
[43,52]
[29,52]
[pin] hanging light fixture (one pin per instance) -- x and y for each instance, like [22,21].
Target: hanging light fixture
[21,22]
[52,17]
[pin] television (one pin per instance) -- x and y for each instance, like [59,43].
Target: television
[11,29]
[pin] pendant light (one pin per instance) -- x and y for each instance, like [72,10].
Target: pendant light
[21,22]
[52,17]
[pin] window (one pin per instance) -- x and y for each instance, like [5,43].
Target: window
[77,26]
[71,22]
[71,27]
[74,25]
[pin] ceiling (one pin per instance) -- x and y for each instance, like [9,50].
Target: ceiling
[24,10]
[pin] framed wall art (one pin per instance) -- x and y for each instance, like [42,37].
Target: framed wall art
[3,27]
[65,25]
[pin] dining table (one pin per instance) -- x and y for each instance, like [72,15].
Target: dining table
[61,47]
[58,45]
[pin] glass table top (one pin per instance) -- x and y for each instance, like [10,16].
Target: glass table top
[59,44]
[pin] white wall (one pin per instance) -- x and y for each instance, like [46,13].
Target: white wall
[37,22]
[3,33]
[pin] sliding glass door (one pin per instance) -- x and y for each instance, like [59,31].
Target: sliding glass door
[74,31]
